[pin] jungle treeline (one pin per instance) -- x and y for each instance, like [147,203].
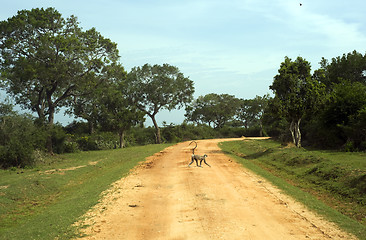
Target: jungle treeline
[48,64]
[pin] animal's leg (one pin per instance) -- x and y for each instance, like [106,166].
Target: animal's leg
[189,165]
[197,162]
[206,162]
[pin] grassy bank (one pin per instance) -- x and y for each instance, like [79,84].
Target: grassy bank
[331,183]
[43,202]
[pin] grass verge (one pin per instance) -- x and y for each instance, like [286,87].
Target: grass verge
[44,202]
[331,183]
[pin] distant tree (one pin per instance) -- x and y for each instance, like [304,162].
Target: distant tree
[46,59]
[195,112]
[297,91]
[250,111]
[202,109]
[213,108]
[244,114]
[153,88]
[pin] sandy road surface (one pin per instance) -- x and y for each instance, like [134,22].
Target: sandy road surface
[164,199]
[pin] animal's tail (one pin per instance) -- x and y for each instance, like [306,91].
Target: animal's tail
[194,147]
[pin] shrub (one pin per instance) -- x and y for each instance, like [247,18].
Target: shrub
[71,147]
[349,147]
[58,139]
[97,141]
[18,139]
[141,136]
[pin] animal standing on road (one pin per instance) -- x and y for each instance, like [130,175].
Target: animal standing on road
[197,158]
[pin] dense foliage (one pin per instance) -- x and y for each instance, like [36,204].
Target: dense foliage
[337,106]
[213,108]
[297,92]
[48,62]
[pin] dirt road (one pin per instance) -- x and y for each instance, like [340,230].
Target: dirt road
[164,199]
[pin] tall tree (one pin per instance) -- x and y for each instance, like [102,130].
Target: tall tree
[46,59]
[158,87]
[117,113]
[297,92]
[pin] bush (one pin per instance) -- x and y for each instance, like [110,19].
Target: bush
[18,139]
[71,147]
[78,128]
[58,139]
[140,136]
[97,141]
[349,147]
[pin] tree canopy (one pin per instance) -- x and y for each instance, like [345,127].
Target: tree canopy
[46,59]
[157,87]
[348,67]
[213,108]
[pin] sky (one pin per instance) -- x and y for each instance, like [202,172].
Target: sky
[233,47]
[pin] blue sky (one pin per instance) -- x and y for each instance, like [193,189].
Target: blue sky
[233,47]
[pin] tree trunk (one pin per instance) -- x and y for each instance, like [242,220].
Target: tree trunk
[295,132]
[121,138]
[298,133]
[157,129]
[51,115]
[292,132]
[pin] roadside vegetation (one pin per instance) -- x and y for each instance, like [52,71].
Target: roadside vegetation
[323,180]
[43,202]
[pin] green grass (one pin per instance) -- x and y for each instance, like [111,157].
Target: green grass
[35,205]
[331,183]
